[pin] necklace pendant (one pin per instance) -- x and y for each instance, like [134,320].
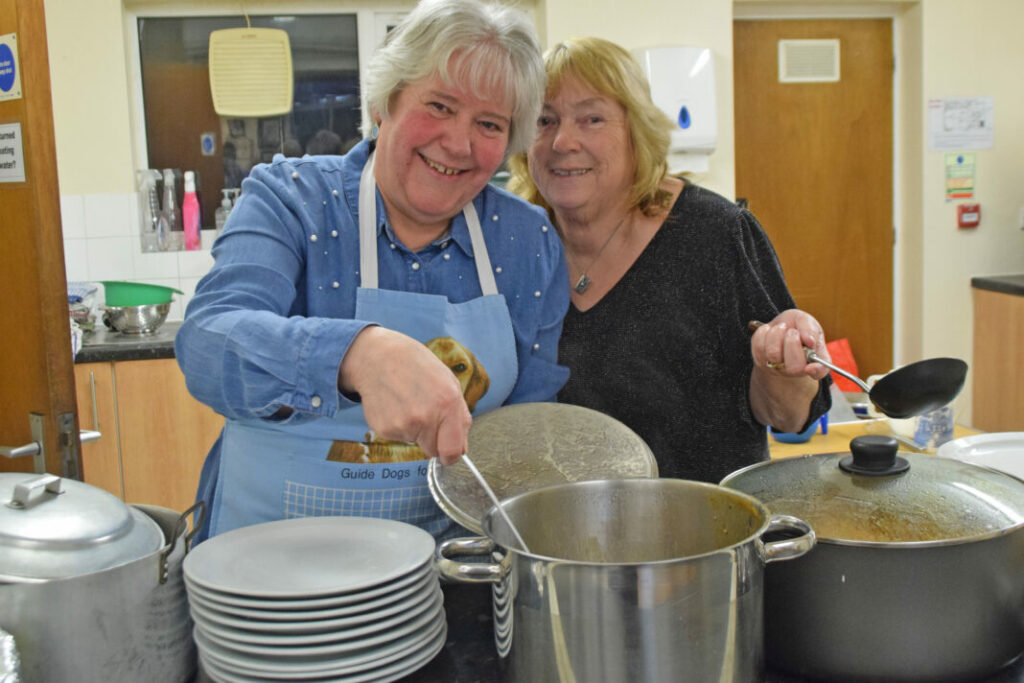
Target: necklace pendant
[582,284]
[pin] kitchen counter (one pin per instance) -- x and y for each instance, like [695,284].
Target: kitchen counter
[105,345]
[839,436]
[1005,284]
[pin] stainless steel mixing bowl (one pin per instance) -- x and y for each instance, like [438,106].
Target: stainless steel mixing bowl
[136,319]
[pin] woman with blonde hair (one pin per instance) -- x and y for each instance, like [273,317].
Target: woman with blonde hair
[664,277]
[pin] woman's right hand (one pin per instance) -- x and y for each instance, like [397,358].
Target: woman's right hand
[407,393]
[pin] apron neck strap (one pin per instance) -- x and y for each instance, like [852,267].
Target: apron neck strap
[368,271]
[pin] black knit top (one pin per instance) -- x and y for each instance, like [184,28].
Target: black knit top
[667,350]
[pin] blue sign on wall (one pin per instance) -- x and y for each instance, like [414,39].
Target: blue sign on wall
[10,79]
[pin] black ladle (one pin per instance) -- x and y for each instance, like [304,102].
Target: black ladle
[912,390]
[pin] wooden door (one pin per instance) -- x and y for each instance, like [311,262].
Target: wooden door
[36,373]
[814,160]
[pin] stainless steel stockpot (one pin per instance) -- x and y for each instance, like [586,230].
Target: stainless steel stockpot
[918,573]
[628,579]
[86,589]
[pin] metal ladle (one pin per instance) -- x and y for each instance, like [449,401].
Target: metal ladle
[494,499]
[911,390]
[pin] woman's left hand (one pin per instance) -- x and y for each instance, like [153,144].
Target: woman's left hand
[777,347]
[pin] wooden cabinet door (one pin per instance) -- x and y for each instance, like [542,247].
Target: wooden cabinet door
[998,371]
[95,398]
[165,433]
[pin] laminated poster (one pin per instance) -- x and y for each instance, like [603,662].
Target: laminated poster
[12,157]
[959,177]
[960,123]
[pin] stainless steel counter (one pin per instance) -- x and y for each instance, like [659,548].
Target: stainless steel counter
[104,345]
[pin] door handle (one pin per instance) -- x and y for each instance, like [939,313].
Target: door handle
[85,435]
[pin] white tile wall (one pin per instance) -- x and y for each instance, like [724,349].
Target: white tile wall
[102,242]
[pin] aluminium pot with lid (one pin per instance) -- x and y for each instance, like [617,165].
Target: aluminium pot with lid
[918,573]
[53,528]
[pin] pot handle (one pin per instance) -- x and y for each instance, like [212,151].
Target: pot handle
[788,548]
[199,510]
[475,572]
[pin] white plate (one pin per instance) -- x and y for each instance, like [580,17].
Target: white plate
[308,557]
[253,634]
[999,450]
[311,621]
[435,611]
[375,657]
[390,672]
[309,607]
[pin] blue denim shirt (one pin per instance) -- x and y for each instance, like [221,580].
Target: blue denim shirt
[270,323]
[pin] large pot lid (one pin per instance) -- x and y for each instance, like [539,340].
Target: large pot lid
[528,446]
[52,528]
[873,496]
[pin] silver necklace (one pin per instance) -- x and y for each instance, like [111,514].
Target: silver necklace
[584,281]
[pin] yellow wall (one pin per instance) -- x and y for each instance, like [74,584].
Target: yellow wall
[91,111]
[971,49]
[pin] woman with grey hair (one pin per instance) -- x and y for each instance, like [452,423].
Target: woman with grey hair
[363,307]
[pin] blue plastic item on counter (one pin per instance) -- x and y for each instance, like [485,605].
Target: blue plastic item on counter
[804,436]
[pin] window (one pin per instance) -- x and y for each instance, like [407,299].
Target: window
[184,133]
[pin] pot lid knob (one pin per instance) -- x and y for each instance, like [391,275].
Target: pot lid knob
[874,455]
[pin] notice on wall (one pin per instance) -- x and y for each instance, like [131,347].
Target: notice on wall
[10,71]
[12,157]
[959,177]
[960,123]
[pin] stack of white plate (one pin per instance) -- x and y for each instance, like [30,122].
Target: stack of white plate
[316,598]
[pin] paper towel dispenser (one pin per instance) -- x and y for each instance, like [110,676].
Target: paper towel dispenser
[682,82]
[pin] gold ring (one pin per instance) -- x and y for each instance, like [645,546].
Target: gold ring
[781,365]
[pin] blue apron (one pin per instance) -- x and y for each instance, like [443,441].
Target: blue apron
[337,466]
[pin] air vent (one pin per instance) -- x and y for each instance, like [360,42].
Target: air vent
[808,61]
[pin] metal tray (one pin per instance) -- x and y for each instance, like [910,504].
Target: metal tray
[523,447]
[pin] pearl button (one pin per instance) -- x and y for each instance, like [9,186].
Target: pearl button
[295,174]
[536,346]
[537,293]
[498,269]
[444,245]
[415,266]
[447,257]
[334,233]
[393,246]
[494,217]
[543,228]
[316,401]
[313,238]
[325,202]
[334,192]
[335,284]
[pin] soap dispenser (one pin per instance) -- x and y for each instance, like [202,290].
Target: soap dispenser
[220,216]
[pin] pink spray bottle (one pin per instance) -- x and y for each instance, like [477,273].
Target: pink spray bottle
[190,213]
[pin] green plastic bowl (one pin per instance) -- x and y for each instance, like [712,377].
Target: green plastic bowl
[117,293]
